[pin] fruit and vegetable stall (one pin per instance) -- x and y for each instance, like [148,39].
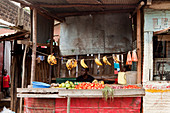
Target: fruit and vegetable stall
[101,42]
[82,97]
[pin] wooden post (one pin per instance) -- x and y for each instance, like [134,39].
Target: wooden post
[51,49]
[34,45]
[139,46]
[68,104]
[23,75]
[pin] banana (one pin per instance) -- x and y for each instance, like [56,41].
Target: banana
[74,62]
[51,60]
[83,63]
[97,61]
[69,64]
[106,61]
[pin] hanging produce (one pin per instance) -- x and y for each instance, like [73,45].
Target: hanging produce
[105,60]
[83,63]
[51,59]
[116,59]
[97,61]
[71,63]
[129,59]
[134,56]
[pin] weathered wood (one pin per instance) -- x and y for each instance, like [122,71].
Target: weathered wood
[12,83]
[51,51]
[23,74]
[45,71]
[39,95]
[160,5]
[23,66]
[37,90]
[139,47]
[34,45]
[98,93]
[138,7]
[93,12]
[95,66]
[163,37]
[91,93]
[87,5]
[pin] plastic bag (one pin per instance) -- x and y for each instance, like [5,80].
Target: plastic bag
[5,110]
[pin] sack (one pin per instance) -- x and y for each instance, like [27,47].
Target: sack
[5,110]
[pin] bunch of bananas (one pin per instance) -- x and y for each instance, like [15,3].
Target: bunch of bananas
[105,60]
[83,63]
[97,61]
[51,59]
[71,63]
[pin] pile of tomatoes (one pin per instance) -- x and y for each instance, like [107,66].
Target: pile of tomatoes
[131,87]
[85,85]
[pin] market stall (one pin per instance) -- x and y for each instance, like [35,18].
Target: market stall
[97,39]
[81,100]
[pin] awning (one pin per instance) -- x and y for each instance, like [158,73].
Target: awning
[63,8]
[163,35]
[20,35]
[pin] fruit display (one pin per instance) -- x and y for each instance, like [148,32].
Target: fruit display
[67,85]
[51,59]
[71,63]
[105,60]
[76,83]
[97,61]
[83,63]
[85,85]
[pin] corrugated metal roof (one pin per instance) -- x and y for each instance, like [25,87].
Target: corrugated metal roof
[14,36]
[64,8]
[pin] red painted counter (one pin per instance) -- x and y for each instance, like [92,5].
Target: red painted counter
[83,105]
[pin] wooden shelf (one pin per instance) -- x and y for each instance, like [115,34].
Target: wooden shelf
[75,93]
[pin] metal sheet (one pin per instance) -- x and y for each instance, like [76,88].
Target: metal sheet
[44,26]
[156,20]
[94,34]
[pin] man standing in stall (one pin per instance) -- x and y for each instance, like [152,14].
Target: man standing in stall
[6,82]
[85,77]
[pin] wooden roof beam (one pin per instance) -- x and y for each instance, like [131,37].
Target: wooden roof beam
[93,12]
[86,5]
[40,10]
[142,3]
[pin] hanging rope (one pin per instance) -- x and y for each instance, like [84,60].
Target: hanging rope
[62,58]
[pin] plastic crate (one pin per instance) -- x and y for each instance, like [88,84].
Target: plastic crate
[61,80]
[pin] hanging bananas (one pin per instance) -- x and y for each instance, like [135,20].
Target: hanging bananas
[51,60]
[71,63]
[105,60]
[83,63]
[97,61]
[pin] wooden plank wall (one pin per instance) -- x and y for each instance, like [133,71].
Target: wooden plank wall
[60,70]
